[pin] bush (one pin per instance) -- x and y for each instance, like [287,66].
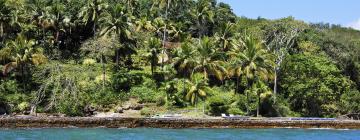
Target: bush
[24,106]
[275,107]
[217,105]
[235,111]
[350,102]
[146,95]
[89,62]
[70,108]
[124,80]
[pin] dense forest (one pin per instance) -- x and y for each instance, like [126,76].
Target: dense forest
[64,56]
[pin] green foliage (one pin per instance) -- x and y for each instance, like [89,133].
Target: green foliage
[349,102]
[235,111]
[64,55]
[313,85]
[221,102]
[146,95]
[272,106]
[124,80]
[24,106]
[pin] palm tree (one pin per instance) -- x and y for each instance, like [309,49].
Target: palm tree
[91,12]
[20,53]
[204,60]
[183,57]
[260,88]
[202,15]
[154,46]
[197,88]
[4,18]
[116,21]
[255,61]
[226,36]
[17,13]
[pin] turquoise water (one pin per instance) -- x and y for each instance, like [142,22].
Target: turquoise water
[176,134]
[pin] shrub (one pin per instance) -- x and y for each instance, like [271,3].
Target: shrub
[146,95]
[217,105]
[24,106]
[275,107]
[350,102]
[89,62]
[236,111]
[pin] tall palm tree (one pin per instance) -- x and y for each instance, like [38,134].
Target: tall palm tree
[226,36]
[118,22]
[204,60]
[183,57]
[91,12]
[154,46]
[4,18]
[255,61]
[202,15]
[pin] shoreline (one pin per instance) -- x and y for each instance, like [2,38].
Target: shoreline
[119,122]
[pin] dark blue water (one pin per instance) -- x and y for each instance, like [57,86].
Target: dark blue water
[176,134]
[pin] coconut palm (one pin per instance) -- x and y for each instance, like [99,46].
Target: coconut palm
[20,53]
[255,62]
[183,57]
[4,18]
[116,21]
[260,88]
[197,89]
[154,46]
[204,60]
[226,35]
[202,14]
[91,12]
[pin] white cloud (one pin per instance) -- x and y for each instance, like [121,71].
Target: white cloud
[355,24]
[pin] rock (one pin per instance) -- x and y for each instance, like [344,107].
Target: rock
[119,110]
[89,110]
[126,107]
[4,109]
[137,107]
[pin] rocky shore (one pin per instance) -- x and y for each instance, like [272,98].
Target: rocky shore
[41,122]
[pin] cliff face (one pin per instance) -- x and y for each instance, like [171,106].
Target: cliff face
[33,122]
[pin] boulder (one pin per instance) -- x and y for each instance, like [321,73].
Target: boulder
[137,107]
[119,110]
[4,109]
[89,110]
[126,107]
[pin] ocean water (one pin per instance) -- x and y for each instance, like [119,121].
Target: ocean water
[176,134]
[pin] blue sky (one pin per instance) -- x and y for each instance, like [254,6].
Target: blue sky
[344,12]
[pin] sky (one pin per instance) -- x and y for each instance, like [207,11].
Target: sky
[343,12]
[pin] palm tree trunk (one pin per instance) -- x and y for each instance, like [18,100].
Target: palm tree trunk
[117,59]
[94,28]
[1,30]
[258,106]
[237,85]
[104,69]
[247,96]
[164,36]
